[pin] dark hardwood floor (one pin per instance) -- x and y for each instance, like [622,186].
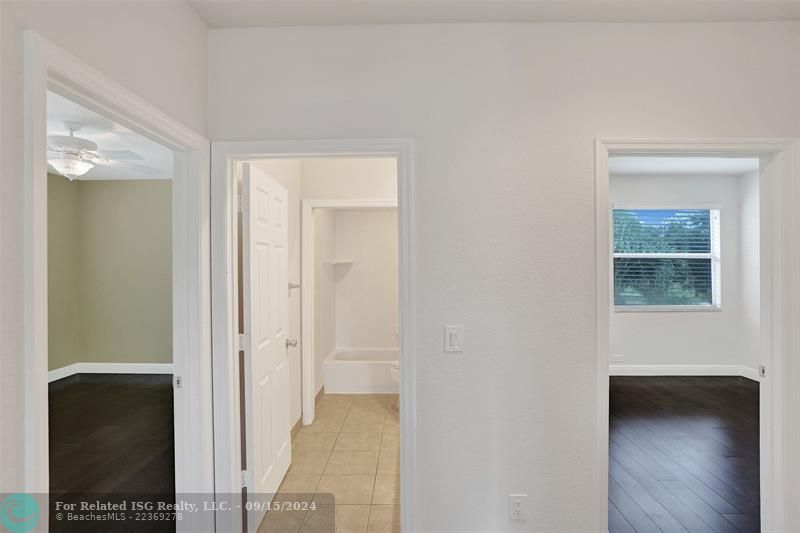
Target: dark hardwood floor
[684,455]
[112,434]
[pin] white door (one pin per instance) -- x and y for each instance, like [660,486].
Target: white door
[266,298]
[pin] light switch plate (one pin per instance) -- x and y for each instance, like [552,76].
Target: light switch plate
[454,338]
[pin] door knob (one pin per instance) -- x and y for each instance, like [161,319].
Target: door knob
[291,342]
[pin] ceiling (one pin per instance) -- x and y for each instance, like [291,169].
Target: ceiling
[109,136]
[690,166]
[251,13]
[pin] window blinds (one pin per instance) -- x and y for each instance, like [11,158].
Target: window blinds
[665,257]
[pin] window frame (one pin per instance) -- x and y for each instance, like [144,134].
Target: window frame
[715,213]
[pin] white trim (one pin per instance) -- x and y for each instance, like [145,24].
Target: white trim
[226,395]
[779,191]
[63,372]
[604,296]
[307,282]
[109,368]
[683,370]
[662,205]
[48,67]
[667,308]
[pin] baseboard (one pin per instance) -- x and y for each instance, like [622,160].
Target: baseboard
[109,368]
[683,370]
[296,427]
[750,373]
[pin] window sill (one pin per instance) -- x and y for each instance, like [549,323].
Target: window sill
[667,309]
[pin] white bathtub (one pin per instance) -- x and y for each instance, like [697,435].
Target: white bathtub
[360,371]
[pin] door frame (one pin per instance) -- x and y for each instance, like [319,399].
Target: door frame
[779,191]
[224,156]
[308,367]
[49,67]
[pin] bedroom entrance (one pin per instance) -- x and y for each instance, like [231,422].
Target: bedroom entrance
[101,322]
[685,344]
[691,329]
[110,331]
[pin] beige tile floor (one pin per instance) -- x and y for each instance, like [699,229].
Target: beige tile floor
[351,451]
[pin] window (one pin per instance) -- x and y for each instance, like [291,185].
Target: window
[666,259]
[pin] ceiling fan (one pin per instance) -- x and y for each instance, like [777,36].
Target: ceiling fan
[73,156]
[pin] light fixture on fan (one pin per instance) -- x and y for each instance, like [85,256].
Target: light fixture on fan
[69,155]
[70,165]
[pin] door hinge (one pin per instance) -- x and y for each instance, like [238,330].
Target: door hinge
[242,341]
[178,382]
[244,478]
[762,371]
[240,203]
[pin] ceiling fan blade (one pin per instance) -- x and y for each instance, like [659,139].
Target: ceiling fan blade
[121,155]
[68,142]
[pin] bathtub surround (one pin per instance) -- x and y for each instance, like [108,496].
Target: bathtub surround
[109,275]
[361,266]
[361,371]
[367,306]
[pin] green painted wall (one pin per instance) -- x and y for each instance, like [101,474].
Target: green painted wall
[63,279]
[110,271]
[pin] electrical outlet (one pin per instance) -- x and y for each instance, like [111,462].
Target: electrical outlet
[517,506]
[617,358]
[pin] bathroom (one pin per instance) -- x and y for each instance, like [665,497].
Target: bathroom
[343,333]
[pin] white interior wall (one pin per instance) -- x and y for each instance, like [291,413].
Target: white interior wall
[168,68]
[750,270]
[690,337]
[504,119]
[367,304]
[327,178]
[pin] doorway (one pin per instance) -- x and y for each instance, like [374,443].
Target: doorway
[340,310]
[110,292]
[349,308]
[51,69]
[776,186]
[685,344]
[226,159]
